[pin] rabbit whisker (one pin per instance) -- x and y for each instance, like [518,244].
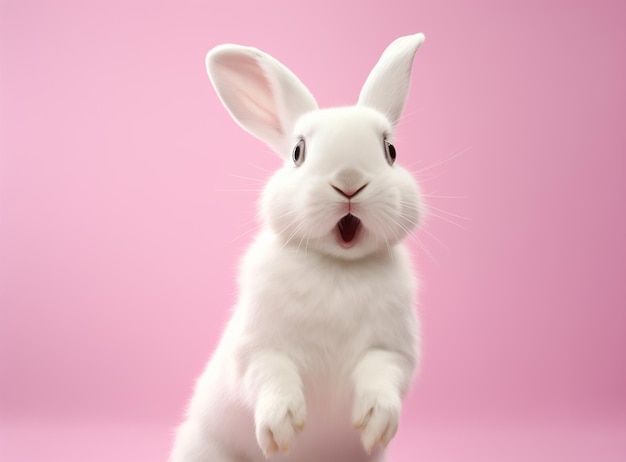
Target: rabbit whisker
[425,230]
[293,234]
[414,236]
[446,219]
[256,180]
[248,231]
[444,160]
[446,212]
[434,196]
[271,172]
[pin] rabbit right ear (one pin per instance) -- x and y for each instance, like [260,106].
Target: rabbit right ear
[387,86]
[260,93]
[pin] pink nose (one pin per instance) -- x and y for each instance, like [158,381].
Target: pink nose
[349,193]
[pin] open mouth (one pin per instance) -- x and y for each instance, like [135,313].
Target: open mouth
[348,227]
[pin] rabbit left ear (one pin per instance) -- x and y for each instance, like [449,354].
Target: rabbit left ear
[387,86]
[261,94]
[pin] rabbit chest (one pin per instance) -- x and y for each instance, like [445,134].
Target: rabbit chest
[324,312]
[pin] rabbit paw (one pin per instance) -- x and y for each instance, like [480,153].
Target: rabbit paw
[377,417]
[278,419]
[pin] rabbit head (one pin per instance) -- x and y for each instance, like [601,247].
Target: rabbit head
[340,191]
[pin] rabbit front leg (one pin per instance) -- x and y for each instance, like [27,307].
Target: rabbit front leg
[380,381]
[274,387]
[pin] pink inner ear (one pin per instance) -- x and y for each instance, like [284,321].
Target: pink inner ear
[247,92]
[261,94]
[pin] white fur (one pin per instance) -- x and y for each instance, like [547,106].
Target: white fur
[323,342]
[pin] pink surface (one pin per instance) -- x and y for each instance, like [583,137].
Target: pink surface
[127,196]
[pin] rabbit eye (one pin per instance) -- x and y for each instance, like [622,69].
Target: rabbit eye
[298,153]
[390,152]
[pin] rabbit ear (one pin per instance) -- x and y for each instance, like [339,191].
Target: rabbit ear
[387,86]
[261,94]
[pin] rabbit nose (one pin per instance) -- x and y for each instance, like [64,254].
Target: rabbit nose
[349,193]
[349,182]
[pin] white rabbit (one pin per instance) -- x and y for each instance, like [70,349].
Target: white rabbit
[323,342]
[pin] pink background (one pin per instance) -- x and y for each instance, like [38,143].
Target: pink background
[127,195]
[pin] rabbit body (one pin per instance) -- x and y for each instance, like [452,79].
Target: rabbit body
[334,339]
[323,342]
